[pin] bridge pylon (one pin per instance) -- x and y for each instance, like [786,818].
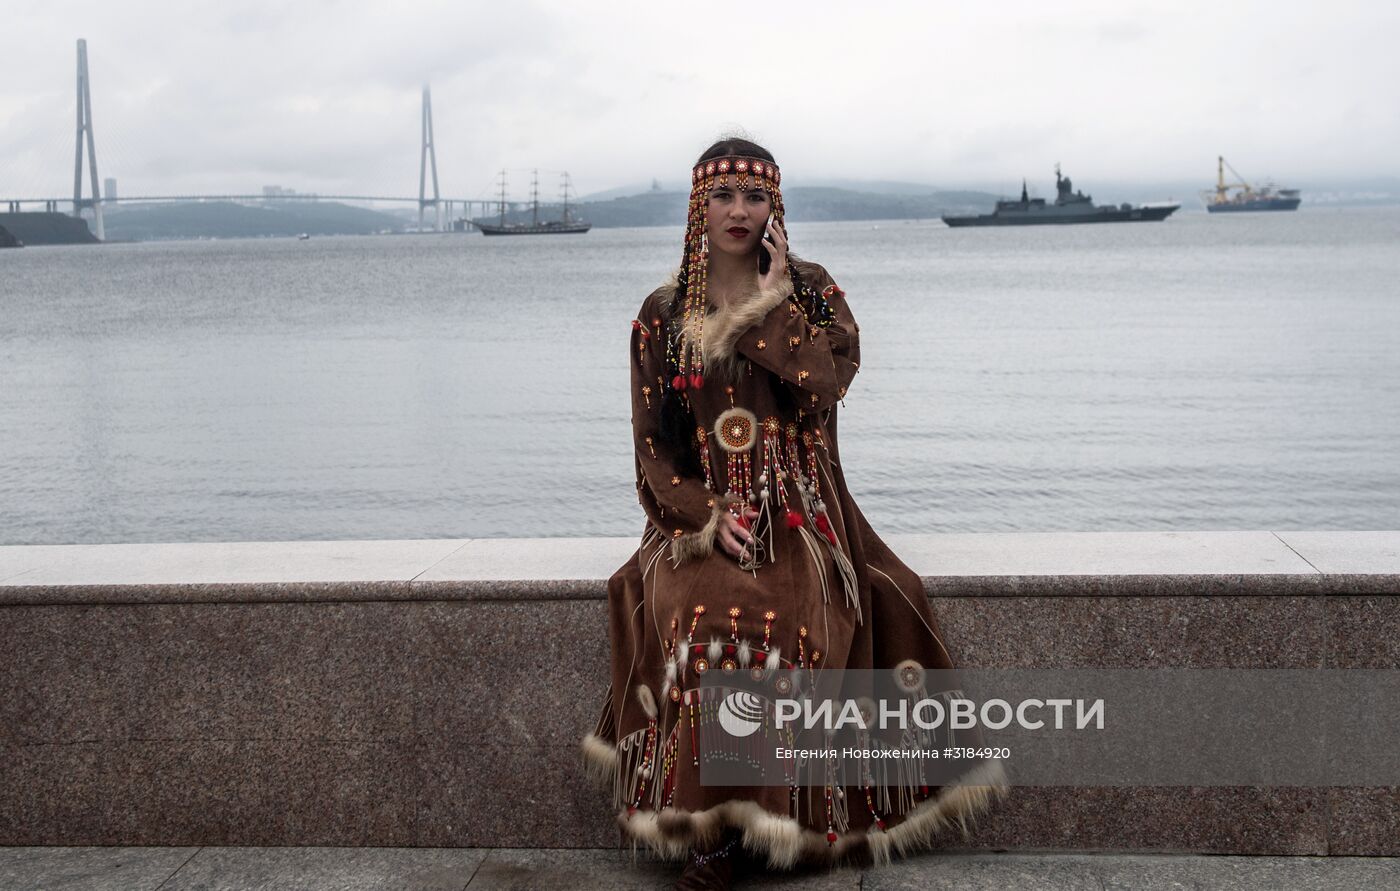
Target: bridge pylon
[85,130]
[429,153]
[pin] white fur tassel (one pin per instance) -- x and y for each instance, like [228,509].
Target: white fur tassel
[682,654]
[716,651]
[648,700]
[670,679]
[745,653]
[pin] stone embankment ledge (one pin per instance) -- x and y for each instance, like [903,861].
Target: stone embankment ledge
[956,564]
[431,693]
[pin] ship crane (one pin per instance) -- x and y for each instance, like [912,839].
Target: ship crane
[1247,198]
[1222,188]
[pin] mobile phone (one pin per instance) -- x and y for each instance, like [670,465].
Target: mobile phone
[765,259]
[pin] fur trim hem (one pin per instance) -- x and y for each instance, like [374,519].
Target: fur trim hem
[671,832]
[599,758]
[957,805]
[698,545]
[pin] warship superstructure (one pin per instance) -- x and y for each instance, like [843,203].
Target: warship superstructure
[1069,207]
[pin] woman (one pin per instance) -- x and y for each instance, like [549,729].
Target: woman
[754,557]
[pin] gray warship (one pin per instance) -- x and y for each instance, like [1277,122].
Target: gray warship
[1069,207]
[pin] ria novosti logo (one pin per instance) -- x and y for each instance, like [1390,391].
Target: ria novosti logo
[742,713]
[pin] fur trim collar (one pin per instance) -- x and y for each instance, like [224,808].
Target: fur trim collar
[724,325]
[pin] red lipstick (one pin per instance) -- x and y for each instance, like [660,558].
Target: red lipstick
[738,231]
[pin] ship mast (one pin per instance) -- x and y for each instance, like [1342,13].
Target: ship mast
[535,199]
[566,196]
[503,197]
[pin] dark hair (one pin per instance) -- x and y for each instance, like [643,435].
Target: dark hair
[736,146]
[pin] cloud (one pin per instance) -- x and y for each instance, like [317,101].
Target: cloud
[199,96]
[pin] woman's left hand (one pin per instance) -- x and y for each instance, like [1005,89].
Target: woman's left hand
[777,252]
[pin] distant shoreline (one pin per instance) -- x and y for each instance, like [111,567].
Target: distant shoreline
[229,220]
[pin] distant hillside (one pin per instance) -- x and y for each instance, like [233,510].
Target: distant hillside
[225,219]
[47,228]
[817,203]
[804,204]
[1322,191]
[877,186]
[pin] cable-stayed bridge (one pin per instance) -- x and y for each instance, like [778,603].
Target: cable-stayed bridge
[429,199]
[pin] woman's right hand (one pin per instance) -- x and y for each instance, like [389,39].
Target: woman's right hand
[732,537]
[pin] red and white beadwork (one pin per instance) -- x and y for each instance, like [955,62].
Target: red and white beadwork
[736,429]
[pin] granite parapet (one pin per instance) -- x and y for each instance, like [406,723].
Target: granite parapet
[425,694]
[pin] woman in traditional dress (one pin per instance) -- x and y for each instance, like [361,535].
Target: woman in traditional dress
[755,557]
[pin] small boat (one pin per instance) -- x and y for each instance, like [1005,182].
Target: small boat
[1266,197]
[303,237]
[565,226]
[1069,207]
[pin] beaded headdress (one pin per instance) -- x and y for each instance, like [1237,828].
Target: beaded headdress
[732,171]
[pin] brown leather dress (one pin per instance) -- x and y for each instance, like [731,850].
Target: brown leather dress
[821,589]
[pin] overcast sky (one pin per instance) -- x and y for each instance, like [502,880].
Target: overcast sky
[324,96]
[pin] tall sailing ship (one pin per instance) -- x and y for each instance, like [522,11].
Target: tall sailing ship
[566,225]
[1247,198]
